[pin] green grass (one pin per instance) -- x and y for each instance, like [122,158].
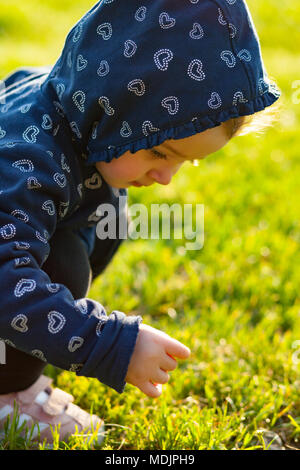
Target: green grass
[235,303]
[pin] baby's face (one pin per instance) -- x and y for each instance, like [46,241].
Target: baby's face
[145,167]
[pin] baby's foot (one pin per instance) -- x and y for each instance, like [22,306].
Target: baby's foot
[44,407]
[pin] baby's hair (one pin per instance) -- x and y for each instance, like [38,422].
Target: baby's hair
[256,123]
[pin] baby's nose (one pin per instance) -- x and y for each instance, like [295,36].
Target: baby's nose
[161,176]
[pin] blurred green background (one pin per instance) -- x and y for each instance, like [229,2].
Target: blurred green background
[236,302]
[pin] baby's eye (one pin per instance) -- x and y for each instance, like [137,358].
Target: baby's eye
[159,154]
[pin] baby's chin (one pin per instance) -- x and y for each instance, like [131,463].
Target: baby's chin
[117,185]
[114,184]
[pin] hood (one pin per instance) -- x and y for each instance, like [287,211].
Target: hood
[131,76]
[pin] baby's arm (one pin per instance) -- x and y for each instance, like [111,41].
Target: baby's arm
[151,358]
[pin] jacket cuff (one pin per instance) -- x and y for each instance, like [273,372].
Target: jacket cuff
[111,355]
[131,330]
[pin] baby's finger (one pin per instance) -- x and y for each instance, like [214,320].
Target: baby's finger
[153,391]
[168,363]
[160,377]
[177,349]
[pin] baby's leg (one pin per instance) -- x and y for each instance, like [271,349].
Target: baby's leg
[103,253]
[68,264]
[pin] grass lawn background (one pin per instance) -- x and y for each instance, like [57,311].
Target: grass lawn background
[235,303]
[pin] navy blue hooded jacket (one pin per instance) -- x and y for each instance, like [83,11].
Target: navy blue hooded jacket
[131,75]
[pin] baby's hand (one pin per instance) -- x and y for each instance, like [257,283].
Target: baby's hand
[151,358]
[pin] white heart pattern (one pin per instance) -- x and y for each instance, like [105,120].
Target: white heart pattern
[41,238]
[137,86]
[30,134]
[39,354]
[47,122]
[197,32]
[94,217]
[104,103]
[262,86]
[130,48]
[77,33]
[105,31]
[25,108]
[215,101]
[94,182]
[103,69]
[49,207]
[75,343]
[32,183]
[22,246]
[165,21]
[94,131]
[221,19]
[148,128]
[26,166]
[162,58]
[60,89]
[81,63]
[8,231]
[75,129]
[55,130]
[239,97]
[23,286]
[81,305]
[56,322]
[140,14]
[125,130]
[228,58]
[100,326]
[19,323]
[195,70]
[75,367]
[21,215]
[171,103]
[79,100]
[22,261]
[63,209]
[2,133]
[64,164]
[53,288]
[245,55]
[60,179]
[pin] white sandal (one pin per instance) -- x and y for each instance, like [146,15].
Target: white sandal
[45,407]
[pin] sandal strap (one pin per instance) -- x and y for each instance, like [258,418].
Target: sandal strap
[57,402]
[28,396]
[83,418]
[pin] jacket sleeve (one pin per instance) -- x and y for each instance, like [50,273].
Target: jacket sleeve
[39,317]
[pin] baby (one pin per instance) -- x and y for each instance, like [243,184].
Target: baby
[137,91]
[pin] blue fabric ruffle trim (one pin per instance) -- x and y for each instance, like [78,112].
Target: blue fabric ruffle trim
[197,125]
